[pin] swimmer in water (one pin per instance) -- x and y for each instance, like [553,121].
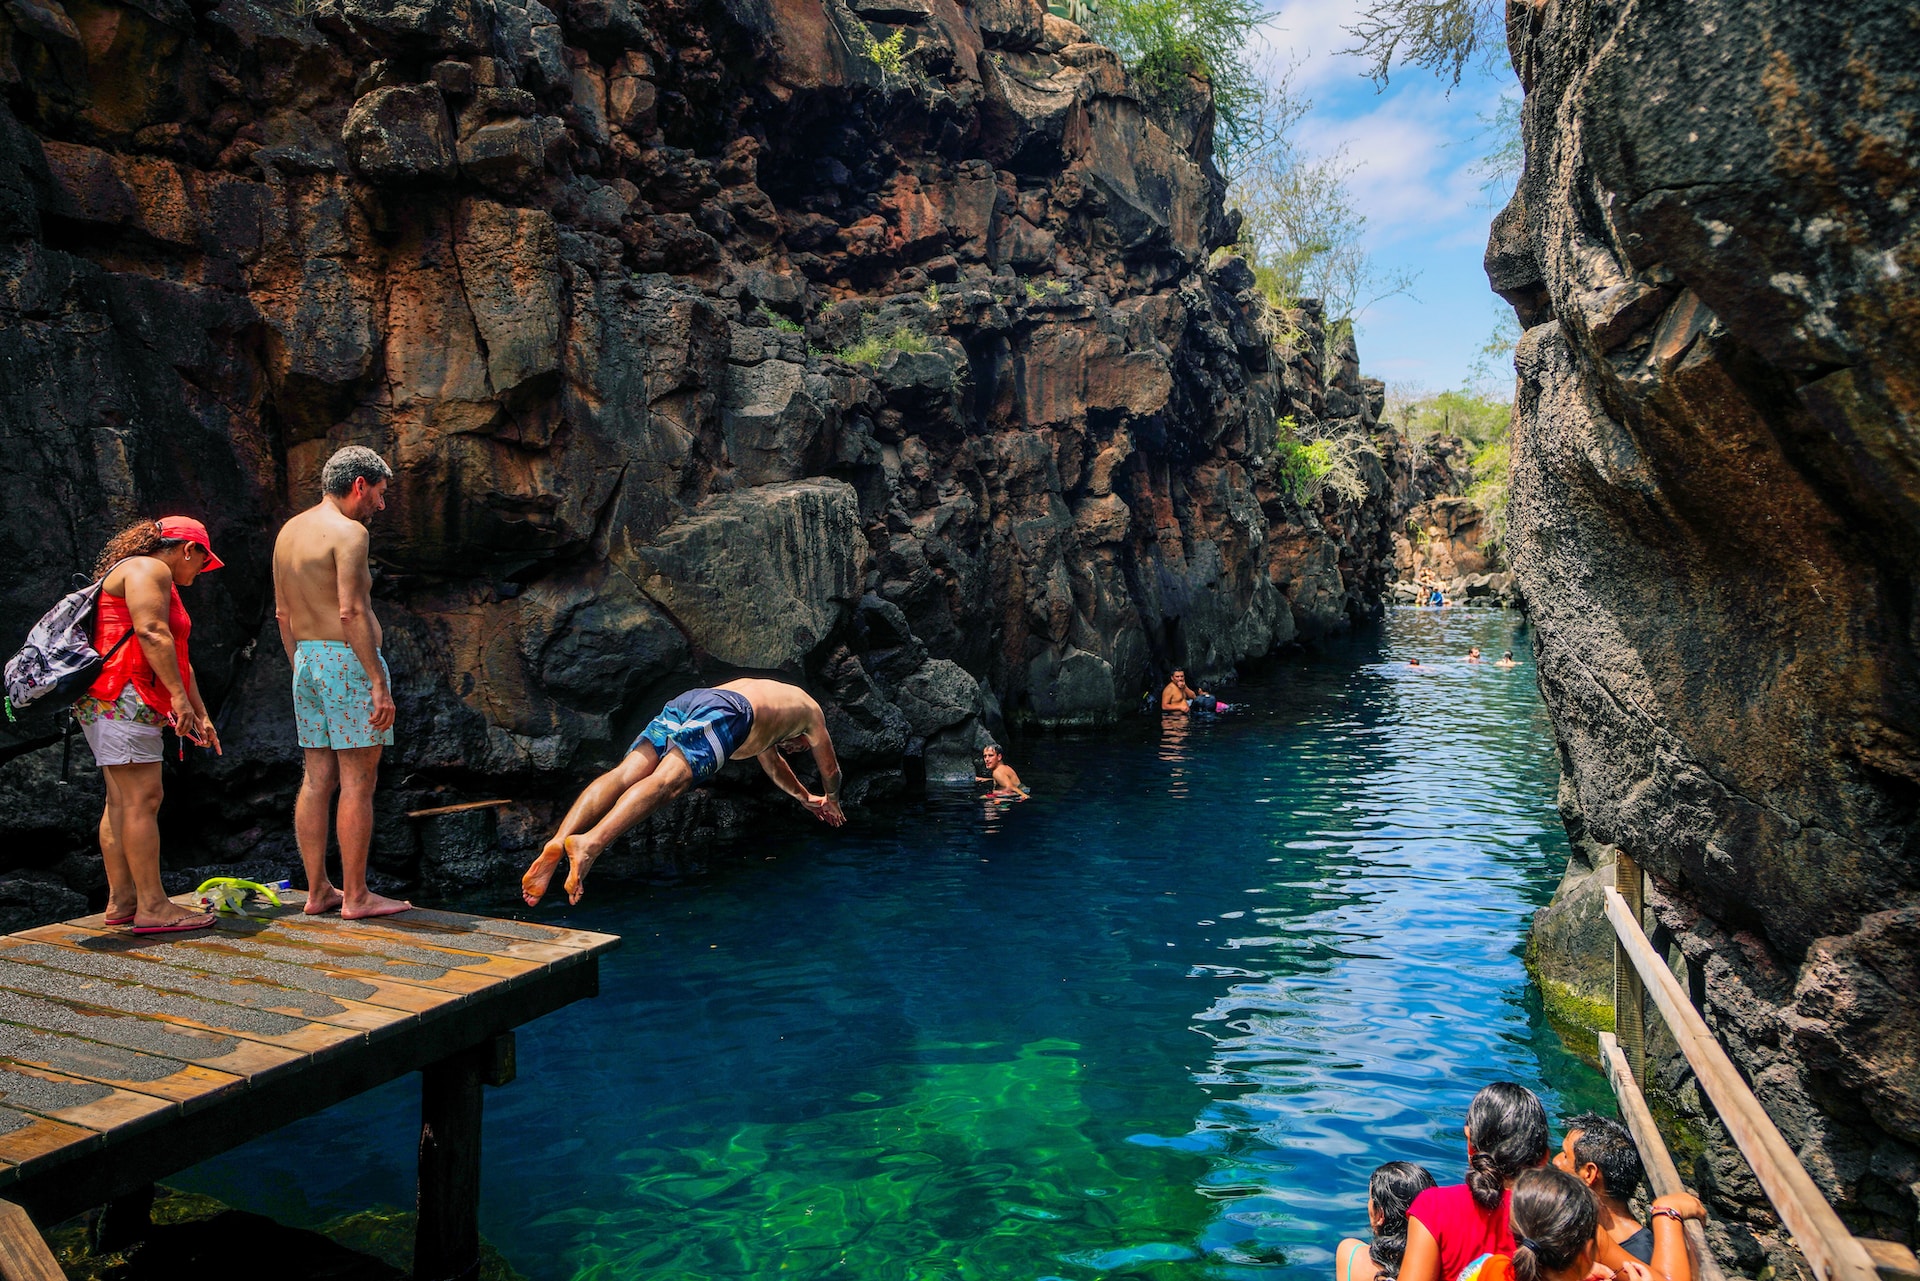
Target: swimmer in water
[1179,696]
[1473,654]
[1506,660]
[1413,662]
[1005,782]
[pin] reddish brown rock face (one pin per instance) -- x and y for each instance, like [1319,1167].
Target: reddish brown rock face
[1716,522]
[595,279]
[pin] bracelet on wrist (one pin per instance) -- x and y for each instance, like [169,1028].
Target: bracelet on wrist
[1667,1212]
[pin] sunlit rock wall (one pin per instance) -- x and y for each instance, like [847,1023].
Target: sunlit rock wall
[582,275]
[1716,516]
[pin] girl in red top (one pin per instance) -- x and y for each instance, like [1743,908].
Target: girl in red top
[146,683]
[1450,1227]
[1556,1235]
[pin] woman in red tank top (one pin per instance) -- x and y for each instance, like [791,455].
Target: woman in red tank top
[147,682]
[1450,1227]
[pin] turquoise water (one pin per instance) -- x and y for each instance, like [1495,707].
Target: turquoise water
[1161,1020]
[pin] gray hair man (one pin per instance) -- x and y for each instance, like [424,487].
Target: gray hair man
[342,693]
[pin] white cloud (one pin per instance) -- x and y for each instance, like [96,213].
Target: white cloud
[1413,146]
[1305,34]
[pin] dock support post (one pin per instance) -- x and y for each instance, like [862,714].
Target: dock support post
[123,1221]
[1629,993]
[446,1244]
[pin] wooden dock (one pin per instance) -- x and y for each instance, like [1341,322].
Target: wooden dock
[124,1058]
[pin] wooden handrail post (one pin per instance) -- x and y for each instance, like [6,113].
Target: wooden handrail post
[1629,993]
[1663,1177]
[1830,1249]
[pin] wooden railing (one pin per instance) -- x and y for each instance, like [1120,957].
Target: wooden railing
[1833,1252]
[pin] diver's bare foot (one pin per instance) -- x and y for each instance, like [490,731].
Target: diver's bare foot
[325,901]
[580,859]
[372,905]
[533,886]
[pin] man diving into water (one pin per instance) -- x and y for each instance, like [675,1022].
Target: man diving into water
[682,747]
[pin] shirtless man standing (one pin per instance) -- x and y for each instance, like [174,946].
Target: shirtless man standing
[685,745]
[342,701]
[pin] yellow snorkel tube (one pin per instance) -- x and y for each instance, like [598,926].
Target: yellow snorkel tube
[229,895]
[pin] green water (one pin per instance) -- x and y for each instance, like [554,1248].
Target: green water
[1162,1020]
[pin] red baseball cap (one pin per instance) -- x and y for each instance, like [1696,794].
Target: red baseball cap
[189,530]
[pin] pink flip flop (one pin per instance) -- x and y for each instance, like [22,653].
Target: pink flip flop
[182,926]
[117,921]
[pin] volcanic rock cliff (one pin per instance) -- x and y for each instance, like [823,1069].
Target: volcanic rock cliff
[883,343]
[1715,251]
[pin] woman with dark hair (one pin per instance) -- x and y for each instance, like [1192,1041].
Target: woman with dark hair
[1556,1235]
[1450,1227]
[1389,1194]
[142,628]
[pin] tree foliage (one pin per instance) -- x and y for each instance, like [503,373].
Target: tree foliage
[1442,36]
[1163,42]
[1485,422]
[1498,167]
[1300,229]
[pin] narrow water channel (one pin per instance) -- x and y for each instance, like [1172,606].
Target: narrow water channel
[1161,1020]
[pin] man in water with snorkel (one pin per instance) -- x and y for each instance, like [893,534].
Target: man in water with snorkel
[682,747]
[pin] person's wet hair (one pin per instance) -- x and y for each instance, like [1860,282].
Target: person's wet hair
[1393,1188]
[1554,1218]
[1508,1128]
[1606,1143]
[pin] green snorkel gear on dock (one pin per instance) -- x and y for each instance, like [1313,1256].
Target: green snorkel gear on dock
[229,895]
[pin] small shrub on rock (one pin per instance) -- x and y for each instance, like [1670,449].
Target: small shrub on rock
[872,347]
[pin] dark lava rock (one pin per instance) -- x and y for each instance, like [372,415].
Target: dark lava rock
[681,329]
[1715,520]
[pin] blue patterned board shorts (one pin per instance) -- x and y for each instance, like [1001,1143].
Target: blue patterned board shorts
[333,699]
[707,725]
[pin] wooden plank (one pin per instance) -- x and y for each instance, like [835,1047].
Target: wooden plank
[140,966]
[347,954]
[25,1139]
[1663,1176]
[24,1255]
[1629,994]
[91,1024]
[127,1069]
[91,1105]
[178,1008]
[211,955]
[431,810]
[1818,1232]
[463,944]
[1895,1261]
[432,920]
[79,1178]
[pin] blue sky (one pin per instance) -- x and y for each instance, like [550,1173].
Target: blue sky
[1415,144]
